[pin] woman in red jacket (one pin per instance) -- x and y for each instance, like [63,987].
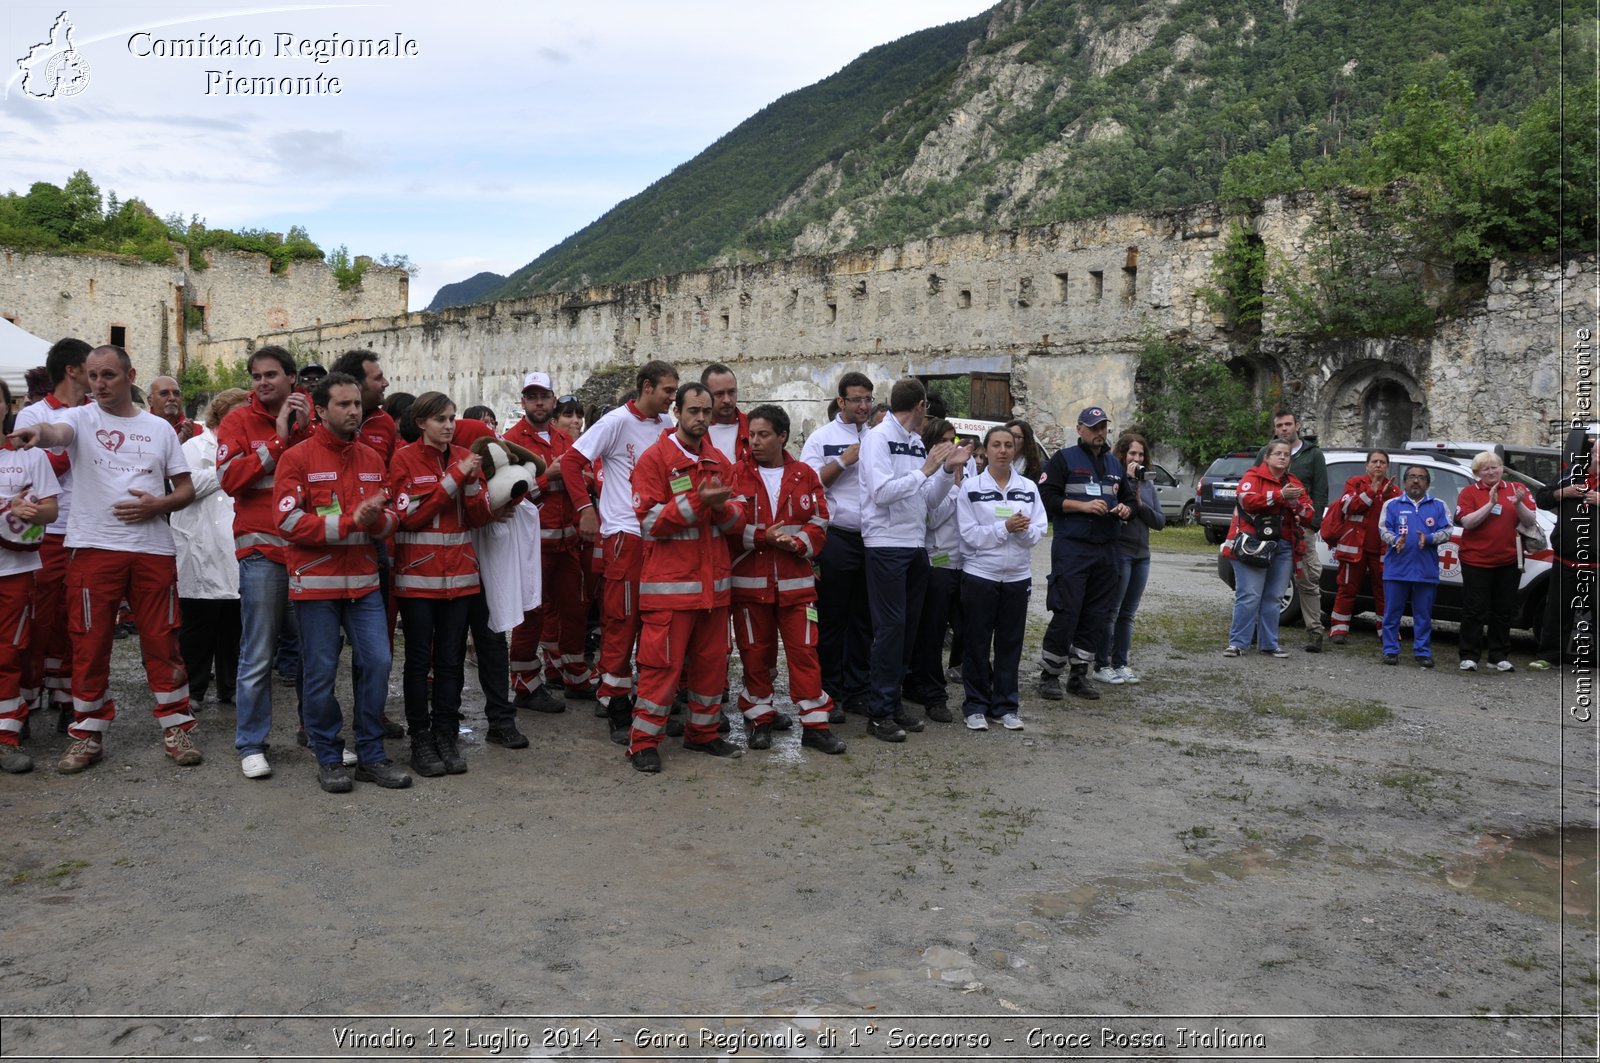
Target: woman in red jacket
[1490,511]
[1360,547]
[1274,506]
[440,495]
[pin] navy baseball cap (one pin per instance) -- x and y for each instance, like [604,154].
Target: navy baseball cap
[1091,416]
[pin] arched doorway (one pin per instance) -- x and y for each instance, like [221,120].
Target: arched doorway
[1371,404]
[1387,414]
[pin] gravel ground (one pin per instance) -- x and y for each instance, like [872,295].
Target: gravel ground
[1318,856]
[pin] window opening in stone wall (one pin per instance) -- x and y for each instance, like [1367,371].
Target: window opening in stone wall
[1024,293]
[833,312]
[724,321]
[119,336]
[91,287]
[1061,287]
[964,299]
[1097,284]
[1130,274]
[1387,414]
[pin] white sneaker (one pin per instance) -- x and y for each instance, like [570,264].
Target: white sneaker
[350,757]
[1108,675]
[977,723]
[1128,674]
[1011,721]
[1504,666]
[255,766]
[1469,666]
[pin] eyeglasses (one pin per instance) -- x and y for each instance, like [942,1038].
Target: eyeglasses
[860,400]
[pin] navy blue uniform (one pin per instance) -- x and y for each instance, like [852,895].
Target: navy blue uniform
[1082,587]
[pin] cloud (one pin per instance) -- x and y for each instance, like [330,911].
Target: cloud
[303,151]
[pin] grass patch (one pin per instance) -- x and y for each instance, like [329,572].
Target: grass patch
[1181,540]
[62,870]
[1195,631]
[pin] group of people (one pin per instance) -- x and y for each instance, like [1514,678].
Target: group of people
[1386,536]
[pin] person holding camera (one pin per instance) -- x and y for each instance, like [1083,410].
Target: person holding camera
[1133,562]
[1262,543]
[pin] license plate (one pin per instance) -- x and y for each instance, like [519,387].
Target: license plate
[1226,492]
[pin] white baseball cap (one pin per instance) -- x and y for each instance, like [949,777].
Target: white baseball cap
[537,380]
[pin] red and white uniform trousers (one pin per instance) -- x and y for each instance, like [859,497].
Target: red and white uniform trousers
[18,681]
[1363,566]
[757,626]
[50,649]
[620,619]
[553,634]
[97,583]
[683,642]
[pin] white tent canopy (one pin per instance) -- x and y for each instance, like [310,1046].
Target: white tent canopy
[20,351]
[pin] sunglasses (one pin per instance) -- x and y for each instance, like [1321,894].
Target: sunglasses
[563,400]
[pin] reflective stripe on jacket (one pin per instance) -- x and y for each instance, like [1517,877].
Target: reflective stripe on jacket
[684,567]
[318,486]
[433,554]
[762,572]
[248,452]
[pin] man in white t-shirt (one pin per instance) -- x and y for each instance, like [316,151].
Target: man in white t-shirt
[730,428]
[122,460]
[28,493]
[616,442]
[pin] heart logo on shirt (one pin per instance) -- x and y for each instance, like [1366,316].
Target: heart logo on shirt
[110,440]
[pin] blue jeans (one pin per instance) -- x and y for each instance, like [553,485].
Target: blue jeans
[1256,595]
[366,627]
[1132,575]
[263,602]
[1396,594]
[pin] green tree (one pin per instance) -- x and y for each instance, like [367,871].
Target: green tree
[1195,404]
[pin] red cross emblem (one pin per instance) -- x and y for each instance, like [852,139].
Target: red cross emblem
[1447,560]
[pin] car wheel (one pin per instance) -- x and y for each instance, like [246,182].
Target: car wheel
[1289,606]
[1189,514]
[1214,535]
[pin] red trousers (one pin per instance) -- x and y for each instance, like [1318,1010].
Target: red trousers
[51,649]
[555,631]
[670,643]
[1351,573]
[756,629]
[619,615]
[18,683]
[97,582]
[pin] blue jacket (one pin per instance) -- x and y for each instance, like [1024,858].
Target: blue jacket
[1077,474]
[1422,525]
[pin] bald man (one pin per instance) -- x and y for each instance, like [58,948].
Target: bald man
[166,402]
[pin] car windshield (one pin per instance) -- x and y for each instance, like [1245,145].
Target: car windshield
[1230,468]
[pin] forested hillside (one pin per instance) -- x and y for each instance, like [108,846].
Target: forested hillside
[1059,109]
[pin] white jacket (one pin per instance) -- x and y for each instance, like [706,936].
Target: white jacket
[982,510]
[896,497]
[203,530]
[821,448]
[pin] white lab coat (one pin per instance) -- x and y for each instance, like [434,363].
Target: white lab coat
[203,530]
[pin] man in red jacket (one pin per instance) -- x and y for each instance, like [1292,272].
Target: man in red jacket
[556,629]
[334,504]
[774,591]
[251,441]
[683,498]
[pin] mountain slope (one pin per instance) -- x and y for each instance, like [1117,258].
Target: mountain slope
[464,293]
[1045,110]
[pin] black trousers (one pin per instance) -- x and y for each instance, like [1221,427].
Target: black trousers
[1490,599]
[844,616]
[208,638]
[996,616]
[898,581]
[1081,594]
[925,681]
[494,663]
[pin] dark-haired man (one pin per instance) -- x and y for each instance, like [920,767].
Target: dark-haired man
[730,429]
[833,451]
[902,481]
[251,441]
[52,646]
[617,441]
[378,429]
[121,549]
[335,505]
[683,497]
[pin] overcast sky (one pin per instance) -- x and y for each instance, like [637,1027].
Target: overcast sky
[511,127]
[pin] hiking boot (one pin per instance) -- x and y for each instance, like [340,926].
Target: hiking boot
[1080,685]
[1050,688]
[619,717]
[13,761]
[79,755]
[539,700]
[761,736]
[908,721]
[507,736]
[821,739]
[425,758]
[450,753]
[1391,658]
[938,711]
[1424,662]
[390,728]
[1314,642]
[384,773]
[885,729]
[717,747]
[334,779]
[647,760]
[581,692]
[180,747]
[780,722]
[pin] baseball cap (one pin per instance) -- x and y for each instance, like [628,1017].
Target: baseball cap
[537,380]
[1091,416]
[312,367]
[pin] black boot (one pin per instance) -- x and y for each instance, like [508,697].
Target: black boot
[619,718]
[1080,684]
[454,762]
[425,759]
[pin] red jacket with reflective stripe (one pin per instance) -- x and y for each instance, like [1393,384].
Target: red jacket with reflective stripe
[765,573]
[318,485]
[1361,505]
[248,452]
[379,432]
[685,564]
[558,521]
[433,554]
